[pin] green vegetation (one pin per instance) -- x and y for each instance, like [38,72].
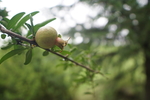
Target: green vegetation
[39,80]
[119,50]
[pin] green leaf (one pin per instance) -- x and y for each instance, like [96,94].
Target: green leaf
[6,19]
[59,35]
[14,20]
[69,45]
[10,54]
[45,53]
[28,25]
[73,49]
[25,19]
[28,56]
[64,52]
[4,22]
[88,93]
[56,49]
[32,26]
[6,47]
[3,36]
[37,26]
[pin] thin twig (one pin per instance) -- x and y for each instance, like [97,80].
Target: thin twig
[68,59]
[32,41]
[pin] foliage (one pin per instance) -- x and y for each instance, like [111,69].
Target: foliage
[3,12]
[15,24]
[120,49]
[125,36]
[19,47]
[36,81]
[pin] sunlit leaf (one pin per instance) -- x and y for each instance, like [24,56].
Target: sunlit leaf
[37,26]
[25,19]
[13,21]
[10,54]
[55,49]
[64,52]
[28,57]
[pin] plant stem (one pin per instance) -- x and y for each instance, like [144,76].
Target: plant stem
[32,41]
[10,33]
[68,59]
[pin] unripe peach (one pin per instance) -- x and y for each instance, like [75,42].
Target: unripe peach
[46,37]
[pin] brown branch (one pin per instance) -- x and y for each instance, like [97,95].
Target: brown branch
[32,41]
[3,30]
[66,58]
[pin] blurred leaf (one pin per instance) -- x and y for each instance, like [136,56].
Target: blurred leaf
[37,26]
[3,36]
[24,19]
[59,35]
[3,11]
[28,56]
[6,47]
[4,22]
[73,49]
[88,93]
[65,52]
[81,80]
[10,54]
[45,53]
[55,49]
[69,45]
[32,26]
[13,21]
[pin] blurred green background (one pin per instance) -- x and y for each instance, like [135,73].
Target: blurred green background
[114,38]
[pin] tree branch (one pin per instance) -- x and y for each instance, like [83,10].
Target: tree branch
[3,30]
[32,41]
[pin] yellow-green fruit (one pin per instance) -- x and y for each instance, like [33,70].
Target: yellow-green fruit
[46,37]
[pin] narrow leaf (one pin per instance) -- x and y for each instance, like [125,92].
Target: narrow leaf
[87,93]
[28,57]
[25,19]
[37,26]
[6,19]
[32,25]
[10,54]
[13,21]
[28,25]
[73,49]
[6,47]
[4,22]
